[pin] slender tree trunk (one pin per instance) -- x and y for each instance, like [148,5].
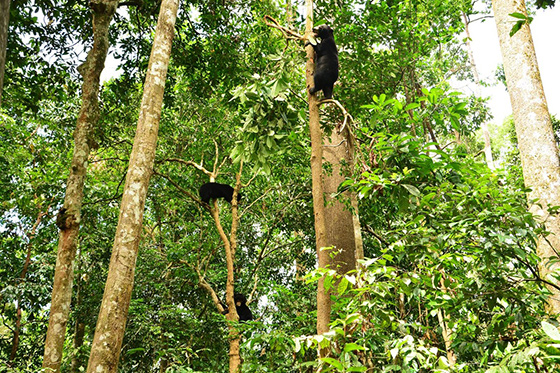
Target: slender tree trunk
[22,276]
[537,147]
[316,134]
[109,333]
[230,245]
[4,22]
[70,215]
[79,332]
[483,126]
[443,320]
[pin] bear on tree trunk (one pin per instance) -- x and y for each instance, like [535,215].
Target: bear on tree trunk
[326,61]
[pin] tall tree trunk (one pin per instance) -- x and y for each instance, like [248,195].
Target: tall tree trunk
[316,134]
[109,333]
[79,332]
[70,214]
[4,22]
[230,246]
[537,147]
[339,218]
[483,126]
[22,276]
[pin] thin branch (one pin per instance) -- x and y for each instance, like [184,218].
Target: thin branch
[182,190]
[288,34]
[189,163]
[114,197]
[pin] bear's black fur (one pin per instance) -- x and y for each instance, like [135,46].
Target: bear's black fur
[243,310]
[326,61]
[216,190]
[241,307]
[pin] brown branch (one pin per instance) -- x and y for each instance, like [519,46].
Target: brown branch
[288,34]
[182,190]
[199,167]
[115,196]
[342,108]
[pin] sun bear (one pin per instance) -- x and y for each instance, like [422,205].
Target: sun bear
[216,190]
[241,307]
[326,61]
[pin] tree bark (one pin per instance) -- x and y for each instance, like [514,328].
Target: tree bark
[70,215]
[340,222]
[109,333]
[79,332]
[316,134]
[4,22]
[537,147]
[230,246]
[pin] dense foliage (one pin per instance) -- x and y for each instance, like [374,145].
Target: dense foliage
[449,282]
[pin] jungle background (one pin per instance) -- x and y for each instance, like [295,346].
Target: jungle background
[449,280]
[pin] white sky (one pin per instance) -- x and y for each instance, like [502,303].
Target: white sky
[545,29]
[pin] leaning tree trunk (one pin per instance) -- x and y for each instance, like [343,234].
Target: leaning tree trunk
[70,214]
[537,148]
[316,134]
[109,333]
[4,21]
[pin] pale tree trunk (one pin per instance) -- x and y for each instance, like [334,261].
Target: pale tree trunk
[230,245]
[316,134]
[537,148]
[109,332]
[483,126]
[70,215]
[4,21]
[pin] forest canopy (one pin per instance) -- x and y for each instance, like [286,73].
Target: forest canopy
[433,241]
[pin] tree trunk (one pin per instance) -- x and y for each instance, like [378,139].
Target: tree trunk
[340,221]
[230,246]
[22,276]
[537,148]
[4,22]
[79,332]
[70,215]
[483,126]
[316,134]
[109,333]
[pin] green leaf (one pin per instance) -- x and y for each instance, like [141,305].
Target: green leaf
[342,286]
[518,15]
[551,330]
[516,28]
[412,190]
[348,347]
[333,362]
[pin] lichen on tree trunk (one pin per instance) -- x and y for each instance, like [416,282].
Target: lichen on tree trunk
[109,333]
[537,147]
[71,214]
